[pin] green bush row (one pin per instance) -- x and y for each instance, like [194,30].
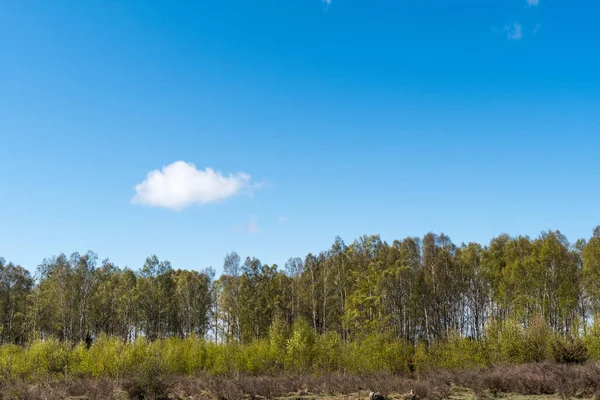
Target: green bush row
[298,350]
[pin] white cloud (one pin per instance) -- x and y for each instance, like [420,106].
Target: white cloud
[536,29]
[282,220]
[180,185]
[514,32]
[250,227]
[253,227]
[533,3]
[328,2]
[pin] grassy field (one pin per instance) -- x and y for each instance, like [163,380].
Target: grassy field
[458,394]
[545,381]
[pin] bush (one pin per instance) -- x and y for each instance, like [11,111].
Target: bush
[80,364]
[457,352]
[592,340]
[132,356]
[569,351]
[150,380]
[533,344]
[512,346]
[104,355]
[279,334]
[11,361]
[537,341]
[46,358]
[329,354]
[300,348]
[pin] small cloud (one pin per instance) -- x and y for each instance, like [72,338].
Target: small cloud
[536,29]
[282,220]
[326,2]
[514,31]
[533,3]
[180,184]
[253,228]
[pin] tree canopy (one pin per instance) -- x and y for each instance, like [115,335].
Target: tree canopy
[414,289]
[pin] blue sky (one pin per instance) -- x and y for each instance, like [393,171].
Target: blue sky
[317,119]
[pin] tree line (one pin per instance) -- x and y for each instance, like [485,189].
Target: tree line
[415,290]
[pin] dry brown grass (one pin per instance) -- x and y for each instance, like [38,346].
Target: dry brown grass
[547,380]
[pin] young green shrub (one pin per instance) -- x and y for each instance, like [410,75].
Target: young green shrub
[537,341]
[194,354]
[47,358]
[456,352]
[221,358]
[279,334]
[329,352]
[300,348]
[11,361]
[491,341]
[80,365]
[421,360]
[569,350]
[398,356]
[133,355]
[150,379]
[104,357]
[512,346]
[257,358]
[182,356]
[592,340]
[377,353]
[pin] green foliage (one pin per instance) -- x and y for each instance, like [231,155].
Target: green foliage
[420,360]
[366,307]
[532,344]
[301,348]
[457,352]
[220,359]
[329,352]
[592,340]
[279,335]
[537,341]
[104,356]
[569,350]
[377,353]
[150,378]
[46,358]
[80,362]
[133,355]
[512,344]
[11,360]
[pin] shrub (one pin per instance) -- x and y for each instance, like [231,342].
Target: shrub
[569,351]
[592,340]
[329,352]
[421,359]
[300,348]
[537,341]
[104,353]
[11,360]
[150,379]
[80,364]
[256,358]
[279,334]
[46,358]
[221,358]
[512,346]
[457,352]
[132,356]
